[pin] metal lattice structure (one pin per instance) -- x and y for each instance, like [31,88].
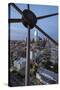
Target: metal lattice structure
[29,20]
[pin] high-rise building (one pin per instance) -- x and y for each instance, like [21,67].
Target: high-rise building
[35,35]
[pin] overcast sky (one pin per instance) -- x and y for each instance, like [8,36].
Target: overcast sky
[49,25]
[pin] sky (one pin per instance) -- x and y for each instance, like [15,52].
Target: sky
[49,25]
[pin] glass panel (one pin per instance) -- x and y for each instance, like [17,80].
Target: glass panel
[43,52]
[49,25]
[18,43]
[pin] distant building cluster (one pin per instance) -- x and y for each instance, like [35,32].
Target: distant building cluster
[43,54]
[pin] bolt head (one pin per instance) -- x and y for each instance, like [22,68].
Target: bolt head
[29,18]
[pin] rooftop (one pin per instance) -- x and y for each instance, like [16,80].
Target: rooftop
[47,73]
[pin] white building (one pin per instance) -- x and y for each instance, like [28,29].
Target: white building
[31,55]
[34,54]
[20,64]
[54,55]
[35,35]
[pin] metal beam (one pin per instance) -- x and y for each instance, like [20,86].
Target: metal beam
[46,34]
[27,72]
[28,6]
[15,20]
[47,16]
[16,7]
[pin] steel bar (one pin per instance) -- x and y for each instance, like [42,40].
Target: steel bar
[9,83]
[28,6]
[18,9]
[27,72]
[15,20]
[46,16]
[28,59]
[46,34]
